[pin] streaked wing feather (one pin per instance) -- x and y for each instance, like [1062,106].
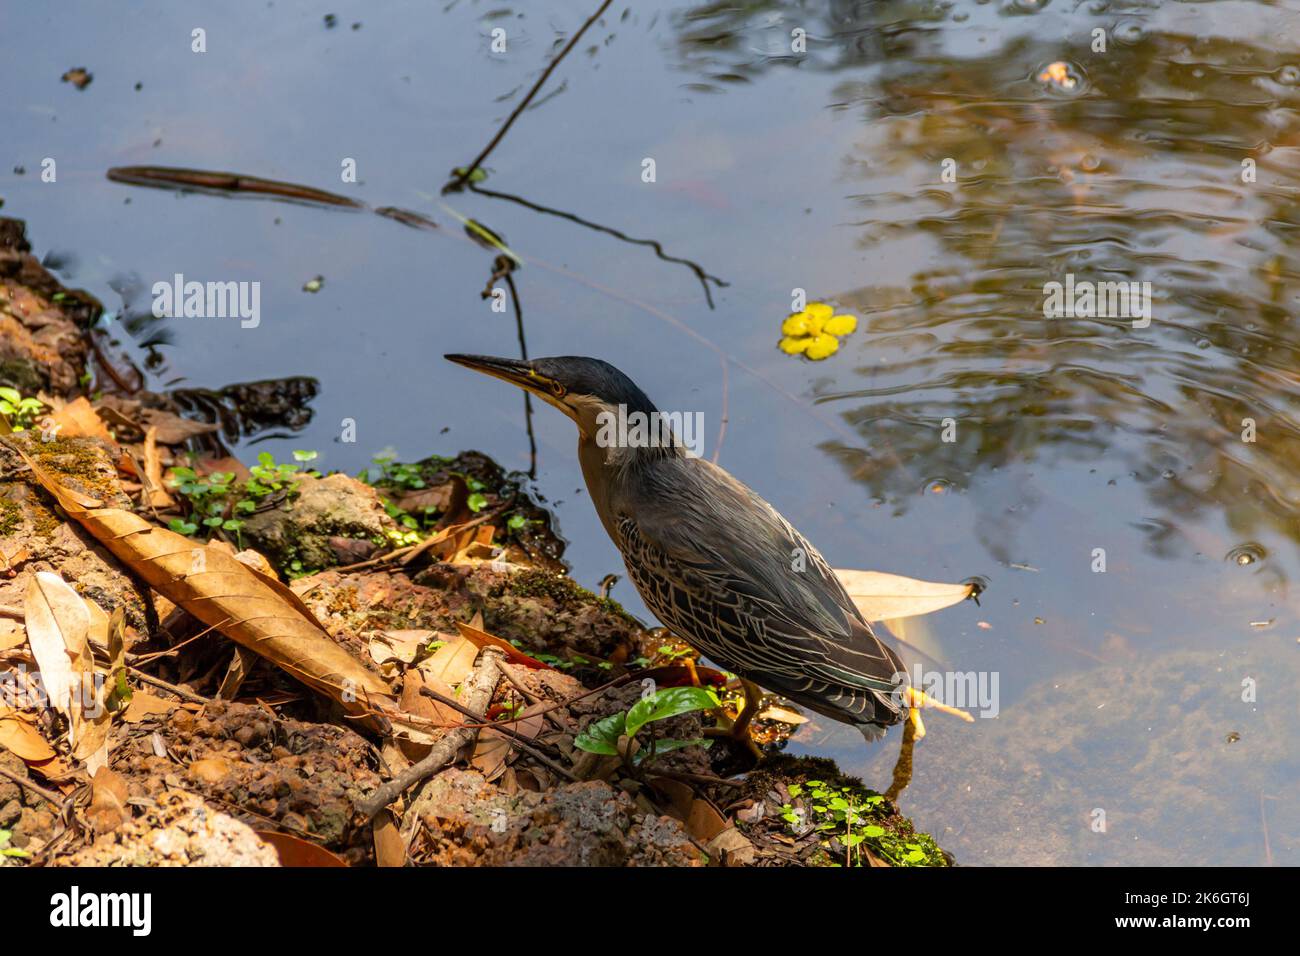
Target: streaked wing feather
[730,588]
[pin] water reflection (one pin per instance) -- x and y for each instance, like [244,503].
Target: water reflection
[1138,177]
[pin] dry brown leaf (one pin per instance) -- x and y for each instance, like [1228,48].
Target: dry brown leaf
[881,596]
[222,592]
[492,750]
[295,852]
[77,419]
[400,646]
[17,556]
[92,734]
[241,665]
[158,494]
[12,634]
[452,662]
[172,429]
[146,705]
[732,847]
[58,614]
[117,643]
[414,702]
[480,639]
[21,738]
[257,561]
[57,626]
[390,848]
[97,633]
[108,796]
[439,497]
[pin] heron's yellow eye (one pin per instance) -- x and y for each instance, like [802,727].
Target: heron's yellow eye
[558,390]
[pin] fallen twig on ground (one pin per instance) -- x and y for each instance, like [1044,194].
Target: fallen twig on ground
[516,738]
[477,692]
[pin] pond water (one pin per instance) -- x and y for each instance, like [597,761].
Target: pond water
[913,167]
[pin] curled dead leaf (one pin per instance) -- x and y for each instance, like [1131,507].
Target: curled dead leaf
[20,737]
[250,608]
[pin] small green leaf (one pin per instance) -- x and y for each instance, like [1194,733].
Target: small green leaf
[665,745]
[668,703]
[601,736]
[476,502]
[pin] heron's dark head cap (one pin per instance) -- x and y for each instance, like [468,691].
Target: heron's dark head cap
[579,386]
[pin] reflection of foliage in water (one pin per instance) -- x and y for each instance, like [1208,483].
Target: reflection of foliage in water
[1135,178]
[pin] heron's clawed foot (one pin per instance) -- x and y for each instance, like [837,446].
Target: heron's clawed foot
[738,730]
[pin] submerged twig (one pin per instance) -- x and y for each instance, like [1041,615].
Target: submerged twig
[461,177]
[164,177]
[704,277]
[503,269]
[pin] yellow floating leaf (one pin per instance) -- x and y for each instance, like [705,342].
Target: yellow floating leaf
[795,324]
[822,347]
[840,324]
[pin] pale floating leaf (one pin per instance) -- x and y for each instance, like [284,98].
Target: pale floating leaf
[881,596]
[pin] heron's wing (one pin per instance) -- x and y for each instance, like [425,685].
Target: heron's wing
[720,565]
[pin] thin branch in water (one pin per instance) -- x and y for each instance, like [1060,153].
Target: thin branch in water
[165,177]
[462,177]
[504,268]
[700,274]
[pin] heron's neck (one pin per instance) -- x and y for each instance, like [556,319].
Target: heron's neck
[607,468]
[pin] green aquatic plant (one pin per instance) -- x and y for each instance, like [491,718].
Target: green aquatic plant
[851,819]
[218,501]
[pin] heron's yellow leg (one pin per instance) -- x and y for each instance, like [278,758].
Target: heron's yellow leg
[903,766]
[738,732]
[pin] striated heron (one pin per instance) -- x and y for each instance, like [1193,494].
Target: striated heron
[712,560]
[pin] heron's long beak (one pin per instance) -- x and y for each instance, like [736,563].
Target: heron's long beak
[514,371]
